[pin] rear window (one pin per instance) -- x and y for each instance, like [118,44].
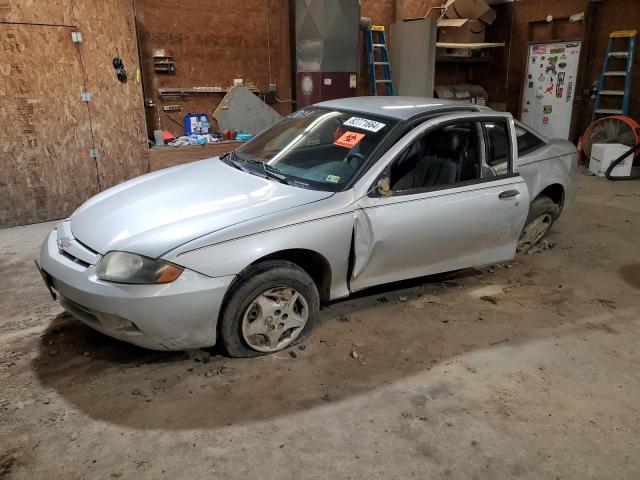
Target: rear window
[527,141]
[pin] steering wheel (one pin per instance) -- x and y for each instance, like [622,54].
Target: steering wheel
[351,155]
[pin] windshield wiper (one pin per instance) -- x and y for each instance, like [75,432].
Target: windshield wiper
[266,171]
[231,158]
[269,171]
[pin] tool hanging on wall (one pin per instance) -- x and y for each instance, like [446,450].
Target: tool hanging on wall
[121,73]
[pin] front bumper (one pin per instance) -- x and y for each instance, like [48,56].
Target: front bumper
[174,316]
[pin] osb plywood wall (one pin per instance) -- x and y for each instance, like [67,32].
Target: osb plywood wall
[212,43]
[116,108]
[46,130]
[45,170]
[52,12]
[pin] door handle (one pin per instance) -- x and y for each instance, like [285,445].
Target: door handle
[508,194]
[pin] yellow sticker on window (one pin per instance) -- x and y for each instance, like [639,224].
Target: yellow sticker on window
[333,178]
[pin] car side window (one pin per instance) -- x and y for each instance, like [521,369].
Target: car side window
[445,156]
[527,141]
[498,147]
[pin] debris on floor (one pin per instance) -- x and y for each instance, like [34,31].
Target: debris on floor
[198,356]
[359,356]
[490,299]
[609,304]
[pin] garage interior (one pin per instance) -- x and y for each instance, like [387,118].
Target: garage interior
[525,369]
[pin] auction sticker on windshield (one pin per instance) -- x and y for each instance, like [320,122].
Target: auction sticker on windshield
[364,124]
[349,139]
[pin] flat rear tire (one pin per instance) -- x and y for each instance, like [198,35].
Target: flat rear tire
[543,212]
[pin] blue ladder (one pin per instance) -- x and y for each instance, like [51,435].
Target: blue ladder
[630,36]
[376,41]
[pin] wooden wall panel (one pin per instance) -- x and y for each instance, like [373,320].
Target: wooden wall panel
[116,109]
[212,44]
[50,12]
[45,136]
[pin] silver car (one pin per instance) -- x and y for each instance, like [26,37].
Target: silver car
[242,249]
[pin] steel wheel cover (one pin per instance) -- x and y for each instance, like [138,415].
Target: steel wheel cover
[274,319]
[534,231]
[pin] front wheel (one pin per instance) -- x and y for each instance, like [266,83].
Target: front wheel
[273,305]
[542,213]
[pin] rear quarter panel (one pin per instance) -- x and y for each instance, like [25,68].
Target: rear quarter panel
[554,163]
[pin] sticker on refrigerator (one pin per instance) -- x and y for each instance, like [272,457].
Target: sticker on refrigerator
[549,87]
[560,85]
[364,124]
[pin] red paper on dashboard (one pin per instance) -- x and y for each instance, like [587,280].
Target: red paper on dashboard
[349,139]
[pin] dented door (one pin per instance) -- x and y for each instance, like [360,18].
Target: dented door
[415,235]
[411,235]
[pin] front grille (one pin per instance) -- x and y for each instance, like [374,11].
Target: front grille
[76,260]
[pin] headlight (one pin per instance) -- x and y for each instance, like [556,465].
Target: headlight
[123,267]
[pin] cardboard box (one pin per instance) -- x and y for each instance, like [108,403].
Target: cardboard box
[461,30]
[471,9]
[464,92]
[603,154]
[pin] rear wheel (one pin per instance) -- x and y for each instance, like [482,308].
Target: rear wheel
[542,213]
[272,306]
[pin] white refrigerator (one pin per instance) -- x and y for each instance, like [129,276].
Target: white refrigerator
[549,87]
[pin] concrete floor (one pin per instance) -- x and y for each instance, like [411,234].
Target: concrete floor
[538,380]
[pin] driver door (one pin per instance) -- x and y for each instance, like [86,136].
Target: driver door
[448,209]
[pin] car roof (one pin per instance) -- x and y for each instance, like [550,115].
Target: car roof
[402,108]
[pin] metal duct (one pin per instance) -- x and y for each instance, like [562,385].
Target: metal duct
[327,35]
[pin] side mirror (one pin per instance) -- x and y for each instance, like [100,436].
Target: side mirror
[384,187]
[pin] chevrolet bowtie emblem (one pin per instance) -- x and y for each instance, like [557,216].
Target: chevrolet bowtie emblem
[64,242]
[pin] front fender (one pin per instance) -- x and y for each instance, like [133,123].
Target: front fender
[329,236]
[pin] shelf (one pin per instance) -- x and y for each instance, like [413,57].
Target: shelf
[457,58]
[471,46]
[179,92]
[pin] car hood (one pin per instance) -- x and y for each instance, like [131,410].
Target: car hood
[155,213]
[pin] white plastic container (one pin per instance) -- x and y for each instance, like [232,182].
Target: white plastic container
[603,154]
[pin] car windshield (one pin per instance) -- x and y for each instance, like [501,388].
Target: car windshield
[316,147]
